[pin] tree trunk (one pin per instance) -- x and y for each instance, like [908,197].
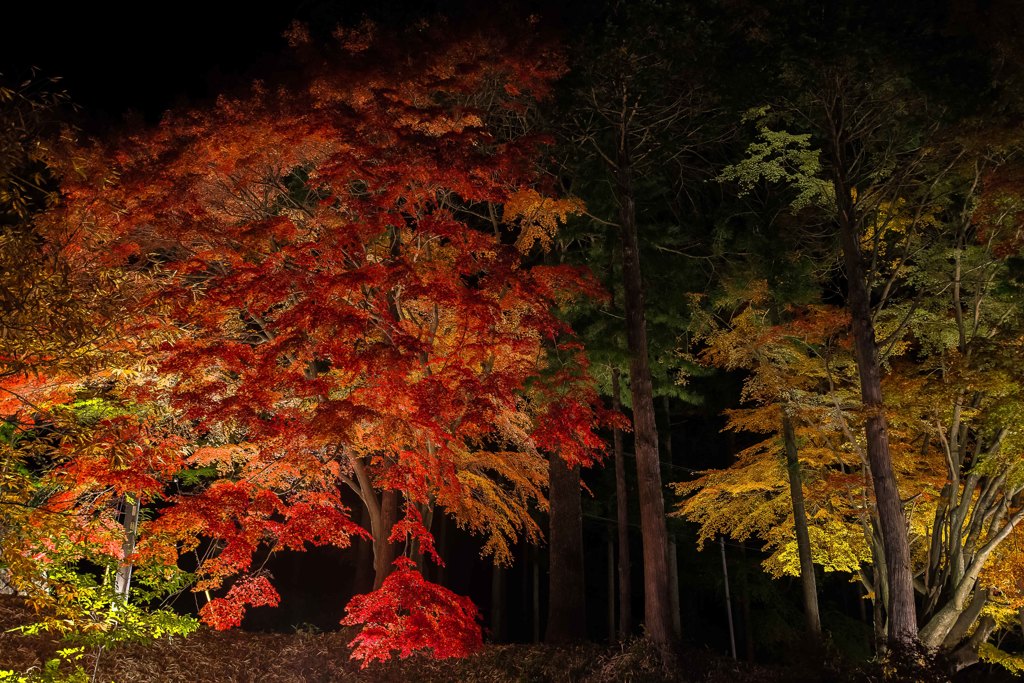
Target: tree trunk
[869,645]
[803,539]
[497,604]
[622,517]
[425,564]
[611,588]
[900,609]
[364,557]
[567,620]
[672,554]
[535,598]
[441,545]
[384,552]
[382,509]
[748,624]
[130,522]
[728,598]
[967,655]
[965,620]
[657,595]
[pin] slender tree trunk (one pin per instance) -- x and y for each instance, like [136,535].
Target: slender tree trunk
[498,604]
[869,645]
[673,555]
[728,598]
[748,624]
[611,588]
[130,522]
[441,545]
[744,612]
[803,539]
[425,564]
[622,522]
[900,609]
[567,603]
[657,595]
[535,612]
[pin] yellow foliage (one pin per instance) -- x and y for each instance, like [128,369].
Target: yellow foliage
[990,653]
[538,217]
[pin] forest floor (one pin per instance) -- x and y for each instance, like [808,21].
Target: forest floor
[309,656]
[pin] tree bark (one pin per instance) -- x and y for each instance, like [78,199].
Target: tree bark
[567,620]
[967,655]
[130,522]
[657,595]
[382,509]
[384,552]
[900,609]
[364,557]
[803,539]
[622,521]
[966,619]
[672,553]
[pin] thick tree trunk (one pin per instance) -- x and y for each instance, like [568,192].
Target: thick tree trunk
[967,655]
[958,631]
[900,609]
[657,595]
[803,539]
[384,552]
[567,619]
[622,522]
[364,557]
[382,509]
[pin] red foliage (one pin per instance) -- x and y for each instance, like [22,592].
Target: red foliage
[409,614]
[323,304]
[227,612]
[411,528]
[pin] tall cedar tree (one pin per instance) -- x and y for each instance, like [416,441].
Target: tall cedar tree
[636,127]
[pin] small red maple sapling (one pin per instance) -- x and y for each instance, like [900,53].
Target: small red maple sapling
[408,614]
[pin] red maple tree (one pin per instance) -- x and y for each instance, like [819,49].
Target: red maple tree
[331,298]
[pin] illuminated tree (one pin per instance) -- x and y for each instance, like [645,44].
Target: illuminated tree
[331,306]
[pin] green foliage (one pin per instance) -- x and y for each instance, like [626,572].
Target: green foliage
[66,667]
[92,613]
[780,157]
